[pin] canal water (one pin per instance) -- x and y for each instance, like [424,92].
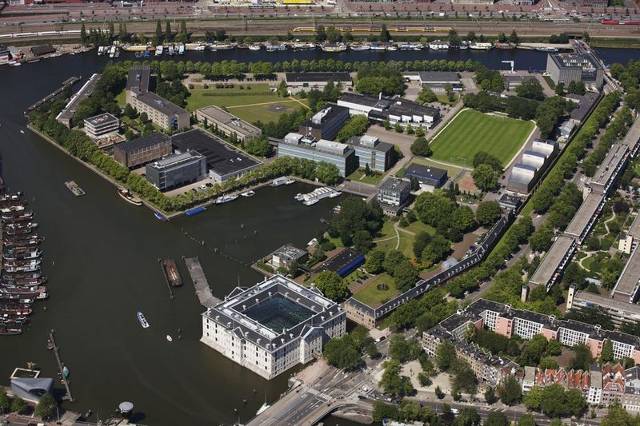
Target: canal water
[101,257]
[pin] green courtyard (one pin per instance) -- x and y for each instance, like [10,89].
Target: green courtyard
[471,132]
[250,102]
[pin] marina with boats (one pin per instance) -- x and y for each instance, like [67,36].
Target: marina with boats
[21,279]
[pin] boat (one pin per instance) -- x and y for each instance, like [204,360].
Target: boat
[112,52]
[303,46]
[159,50]
[181,49]
[377,46]
[65,372]
[439,45]
[159,216]
[264,407]
[255,47]
[126,195]
[505,46]
[142,320]
[10,331]
[74,188]
[289,181]
[340,47]
[169,338]
[194,211]
[391,48]
[480,46]
[298,197]
[275,47]
[171,50]
[249,193]
[279,181]
[100,50]
[226,198]
[547,49]
[359,47]
[171,273]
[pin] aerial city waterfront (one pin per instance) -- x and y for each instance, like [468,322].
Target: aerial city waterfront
[304,212]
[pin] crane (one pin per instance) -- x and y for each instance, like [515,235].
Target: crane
[512,64]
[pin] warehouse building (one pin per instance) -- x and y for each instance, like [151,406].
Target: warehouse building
[395,110]
[223,161]
[272,326]
[522,178]
[370,151]
[438,81]
[143,150]
[100,125]
[325,124]
[176,170]
[340,155]
[567,67]
[227,123]
[430,178]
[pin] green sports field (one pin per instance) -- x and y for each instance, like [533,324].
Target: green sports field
[472,131]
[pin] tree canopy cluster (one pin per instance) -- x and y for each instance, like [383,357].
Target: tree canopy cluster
[355,126]
[356,223]
[423,313]
[489,80]
[385,79]
[395,264]
[332,286]
[629,77]
[421,147]
[430,249]
[554,401]
[450,219]
[614,132]
[346,352]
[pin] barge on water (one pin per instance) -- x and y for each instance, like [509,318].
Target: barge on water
[171,273]
[74,188]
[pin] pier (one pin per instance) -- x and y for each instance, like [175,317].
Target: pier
[56,351]
[203,291]
[65,84]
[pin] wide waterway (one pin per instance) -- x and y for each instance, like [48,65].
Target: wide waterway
[101,258]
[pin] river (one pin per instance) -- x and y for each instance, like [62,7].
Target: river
[101,258]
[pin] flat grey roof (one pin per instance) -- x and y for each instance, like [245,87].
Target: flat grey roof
[240,126]
[552,260]
[628,281]
[99,119]
[394,184]
[611,161]
[161,104]
[439,77]
[584,214]
[175,159]
[634,229]
[143,142]
[587,299]
[138,78]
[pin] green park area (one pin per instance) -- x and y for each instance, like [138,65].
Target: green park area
[377,291]
[250,102]
[472,131]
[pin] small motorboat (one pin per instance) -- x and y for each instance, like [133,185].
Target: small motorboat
[142,320]
[249,193]
[169,338]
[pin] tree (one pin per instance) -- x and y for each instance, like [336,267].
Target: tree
[576,403]
[405,275]
[490,395]
[526,420]
[445,356]
[553,403]
[482,157]
[464,378]
[488,213]
[392,259]
[560,89]
[510,391]
[158,32]
[327,173]
[426,96]
[4,401]
[332,286]
[384,34]
[582,359]
[46,406]
[533,399]
[485,177]
[541,240]
[83,34]
[342,353]
[548,362]
[403,350]
[393,383]
[439,393]
[618,416]
[374,263]
[382,411]
[496,418]
[168,35]
[513,38]
[258,146]
[17,405]
[355,126]
[607,352]
[421,147]
[468,417]
[531,89]
[436,250]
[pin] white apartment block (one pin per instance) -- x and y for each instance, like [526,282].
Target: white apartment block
[571,337]
[272,326]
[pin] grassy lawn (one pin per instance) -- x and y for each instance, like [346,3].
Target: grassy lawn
[418,226]
[258,103]
[472,131]
[372,296]
[359,176]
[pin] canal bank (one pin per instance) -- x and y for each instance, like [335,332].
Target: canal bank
[102,265]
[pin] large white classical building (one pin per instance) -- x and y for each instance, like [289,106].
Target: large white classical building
[272,326]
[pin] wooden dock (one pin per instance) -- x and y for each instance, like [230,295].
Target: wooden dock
[56,351]
[203,291]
